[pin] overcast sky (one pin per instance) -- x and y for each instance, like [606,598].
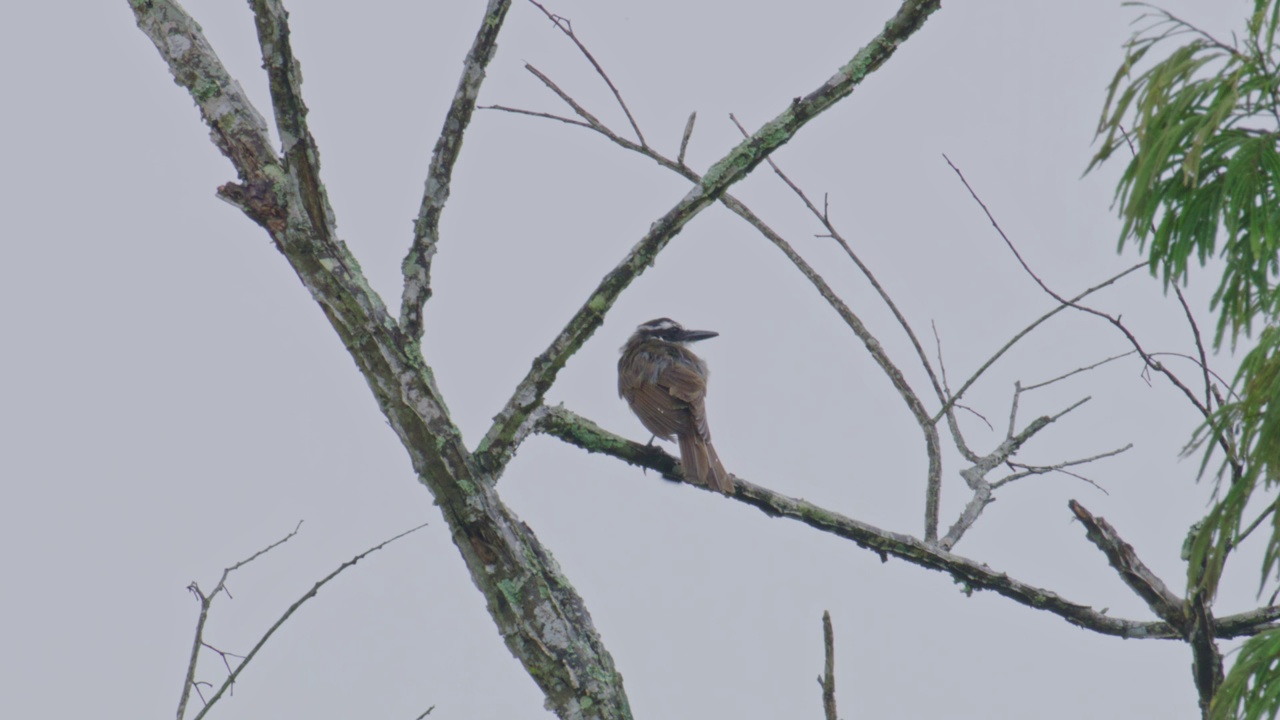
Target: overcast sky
[172,400]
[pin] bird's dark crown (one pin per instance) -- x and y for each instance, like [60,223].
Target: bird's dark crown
[670,331]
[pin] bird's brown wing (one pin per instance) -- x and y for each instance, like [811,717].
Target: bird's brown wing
[639,381]
[687,386]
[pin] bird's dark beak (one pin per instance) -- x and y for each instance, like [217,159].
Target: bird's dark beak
[695,335]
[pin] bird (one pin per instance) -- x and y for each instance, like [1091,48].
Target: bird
[666,386]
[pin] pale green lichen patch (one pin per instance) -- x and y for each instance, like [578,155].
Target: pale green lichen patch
[511,591]
[598,303]
[205,90]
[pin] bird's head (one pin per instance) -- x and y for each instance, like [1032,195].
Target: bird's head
[670,331]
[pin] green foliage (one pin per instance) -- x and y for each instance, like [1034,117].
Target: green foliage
[1251,692]
[1206,179]
[1203,182]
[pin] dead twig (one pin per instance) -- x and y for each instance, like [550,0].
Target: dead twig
[828,678]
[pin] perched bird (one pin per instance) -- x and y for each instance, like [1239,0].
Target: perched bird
[666,386]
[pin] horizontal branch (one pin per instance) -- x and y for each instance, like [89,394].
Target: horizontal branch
[972,575]
[578,431]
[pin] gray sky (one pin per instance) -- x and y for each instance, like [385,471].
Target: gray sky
[172,400]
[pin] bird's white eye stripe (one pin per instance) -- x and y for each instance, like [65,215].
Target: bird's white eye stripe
[660,324]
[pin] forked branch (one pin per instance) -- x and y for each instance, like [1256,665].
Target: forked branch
[512,421]
[970,574]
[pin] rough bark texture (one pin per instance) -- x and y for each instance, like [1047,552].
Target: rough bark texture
[970,574]
[540,616]
[513,421]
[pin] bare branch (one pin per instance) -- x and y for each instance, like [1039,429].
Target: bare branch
[933,485]
[1026,330]
[1077,371]
[828,678]
[1162,601]
[684,141]
[1115,321]
[540,616]
[975,476]
[231,679]
[953,423]
[416,267]
[970,574]
[1028,470]
[189,683]
[1195,333]
[565,26]
[535,113]
[301,156]
[497,447]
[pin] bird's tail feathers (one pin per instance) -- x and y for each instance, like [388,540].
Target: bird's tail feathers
[702,465]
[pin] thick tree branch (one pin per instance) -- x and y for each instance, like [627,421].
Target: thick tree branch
[426,229]
[498,444]
[301,156]
[970,574]
[578,431]
[1135,573]
[1193,617]
[539,615]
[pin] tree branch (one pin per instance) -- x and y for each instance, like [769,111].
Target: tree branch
[565,26]
[206,602]
[539,615]
[231,678]
[497,447]
[933,450]
[970,574]
[828,678]
[1135,573]
[426,229]
[975,476]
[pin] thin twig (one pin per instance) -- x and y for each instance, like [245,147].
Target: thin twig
[566,27]
[933,485]
[1028,470]
[230,681]
[1195,333]
[828,678]
[1023,333]
[953,423]
[534,113]
[975,476]
[688,133]
[1257,521]
[1077,371]
[206,601]
[824,217]
[1152,363]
